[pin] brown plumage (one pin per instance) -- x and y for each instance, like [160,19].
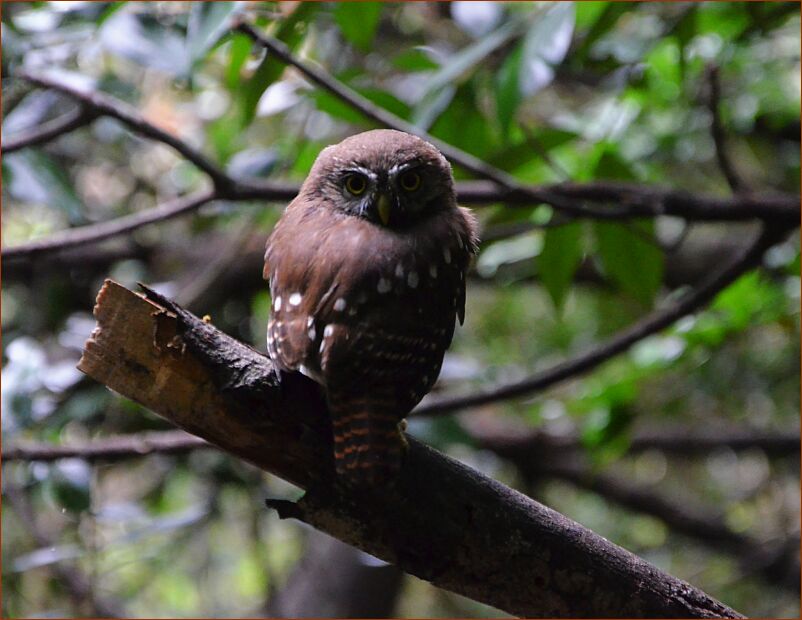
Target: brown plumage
[367,276]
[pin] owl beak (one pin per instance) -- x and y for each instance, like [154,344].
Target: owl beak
[383,207]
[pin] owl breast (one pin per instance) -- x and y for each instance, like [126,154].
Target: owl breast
[367,309]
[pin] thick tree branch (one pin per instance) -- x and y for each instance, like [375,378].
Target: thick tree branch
[623,340]
[441,520]
[49,130]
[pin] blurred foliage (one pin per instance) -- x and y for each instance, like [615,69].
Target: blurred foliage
[548,92]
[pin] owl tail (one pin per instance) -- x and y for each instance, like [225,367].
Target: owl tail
[368,446]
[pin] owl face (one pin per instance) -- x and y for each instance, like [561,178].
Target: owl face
[390,178]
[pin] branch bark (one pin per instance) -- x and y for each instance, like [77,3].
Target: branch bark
[441,521]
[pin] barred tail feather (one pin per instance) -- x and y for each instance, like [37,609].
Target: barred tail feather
[368,446]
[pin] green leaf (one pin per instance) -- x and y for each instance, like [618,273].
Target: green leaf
[237,55]
[415,59]
[631,261]
[603,23]
[559,259]
[358,22]
[326,102]
[270,69]
[208,21]
[466,60]
[508,92]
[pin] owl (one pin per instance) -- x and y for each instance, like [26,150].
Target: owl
[367,278]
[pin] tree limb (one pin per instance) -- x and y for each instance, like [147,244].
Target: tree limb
[47,131]
[631,200]
[659,319]
[440,521]
[481,169]
[101,103]
[680,442]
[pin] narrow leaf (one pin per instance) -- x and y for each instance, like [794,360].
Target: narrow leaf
[559,259]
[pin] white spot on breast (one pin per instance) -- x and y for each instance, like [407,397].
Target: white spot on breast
[384,285]
[399,271]
[312,333]
[412,279]
[309,321]
[277,303]
[328,331]
[295,299]
[433,271]
[447,255]
[339,305]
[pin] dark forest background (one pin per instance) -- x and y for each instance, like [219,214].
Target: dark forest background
[683,448]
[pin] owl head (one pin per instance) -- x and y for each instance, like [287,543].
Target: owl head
[391,178]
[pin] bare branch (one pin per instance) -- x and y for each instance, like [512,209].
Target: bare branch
[681,441]
[52,129]
[631,200]
[623,340]
[383,117]
[515,191]
[108,448]
[99,103]
[104,230]
[717,129]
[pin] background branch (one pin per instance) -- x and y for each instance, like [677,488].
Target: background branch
[631,200]
[660,319]
[717,129]
[679,442]
[48,131]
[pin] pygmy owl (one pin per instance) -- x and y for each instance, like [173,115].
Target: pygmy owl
[367,276]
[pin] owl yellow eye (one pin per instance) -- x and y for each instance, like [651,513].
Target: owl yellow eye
[410,181]
[356,184]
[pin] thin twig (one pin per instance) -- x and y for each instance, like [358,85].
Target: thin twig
[717,129]
[109,106]
[108,448]
[619,343]
[103,230]
[52,129]
[381,116]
